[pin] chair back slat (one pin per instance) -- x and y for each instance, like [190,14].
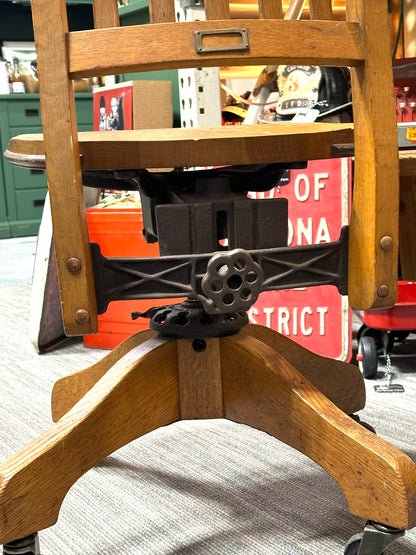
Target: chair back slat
[105,14]
[161,11]
[93,54]
[320,9]
[270,9]
[217,9]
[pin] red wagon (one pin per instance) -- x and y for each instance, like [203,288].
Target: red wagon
[385,326]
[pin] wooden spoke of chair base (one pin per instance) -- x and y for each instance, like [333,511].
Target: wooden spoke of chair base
[199,375]
[342,383]
[263,390]
[137,395]
[70,389]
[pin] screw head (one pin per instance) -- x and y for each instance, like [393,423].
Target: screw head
[386,243]
[82,315]
[73,265]
[383,291]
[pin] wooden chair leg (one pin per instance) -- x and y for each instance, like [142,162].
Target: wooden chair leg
[199,375]
[137,395]
[70,389]
[341,382]
[264,390]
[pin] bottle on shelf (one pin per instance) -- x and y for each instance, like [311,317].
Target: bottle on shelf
[16,78]
[412,105]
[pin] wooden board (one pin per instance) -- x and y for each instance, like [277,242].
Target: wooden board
[158,148]
[171,46]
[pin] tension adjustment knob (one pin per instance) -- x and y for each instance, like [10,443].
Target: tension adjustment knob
[233,282]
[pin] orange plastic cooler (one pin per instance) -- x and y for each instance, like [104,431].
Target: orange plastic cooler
[118,231]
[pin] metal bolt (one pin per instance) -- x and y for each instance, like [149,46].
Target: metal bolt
[82,315]
[383,291]
[386,243]
[73,265]
[199,345]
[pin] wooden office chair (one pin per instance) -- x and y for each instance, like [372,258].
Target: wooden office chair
[199,365]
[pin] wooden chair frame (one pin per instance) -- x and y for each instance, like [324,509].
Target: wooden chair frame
[150,381]
[374,220]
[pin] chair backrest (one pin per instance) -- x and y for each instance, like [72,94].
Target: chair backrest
[361,42]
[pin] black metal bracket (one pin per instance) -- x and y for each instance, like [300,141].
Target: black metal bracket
[188,320]
[228,284]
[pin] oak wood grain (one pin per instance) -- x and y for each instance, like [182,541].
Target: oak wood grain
[237,144]
[256,377]
[375,207]
[270,9]
[140,48]
[342,383]
[137,395]
[161,11]
[268,393]
[320,9]
[25,144]
[70,389]
[217,9]
[200,390]
[63,168]
[105,14]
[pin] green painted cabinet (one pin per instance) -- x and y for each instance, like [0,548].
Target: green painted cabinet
[23,191]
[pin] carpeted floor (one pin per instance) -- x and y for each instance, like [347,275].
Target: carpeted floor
[207,487]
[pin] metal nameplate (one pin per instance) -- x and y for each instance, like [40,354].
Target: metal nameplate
[200,35]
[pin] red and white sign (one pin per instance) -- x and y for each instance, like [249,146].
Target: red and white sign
[317,318]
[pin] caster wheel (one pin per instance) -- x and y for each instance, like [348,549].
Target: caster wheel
[367,357]
[374,540]
[25,546]
[354,544]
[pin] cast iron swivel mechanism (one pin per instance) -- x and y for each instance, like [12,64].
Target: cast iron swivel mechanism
[219,249]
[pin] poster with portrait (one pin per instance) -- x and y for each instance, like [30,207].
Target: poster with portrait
[112,108]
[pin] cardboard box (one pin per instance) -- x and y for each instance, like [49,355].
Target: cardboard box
[133,105]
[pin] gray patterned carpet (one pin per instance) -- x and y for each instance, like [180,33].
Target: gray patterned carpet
[207,487]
